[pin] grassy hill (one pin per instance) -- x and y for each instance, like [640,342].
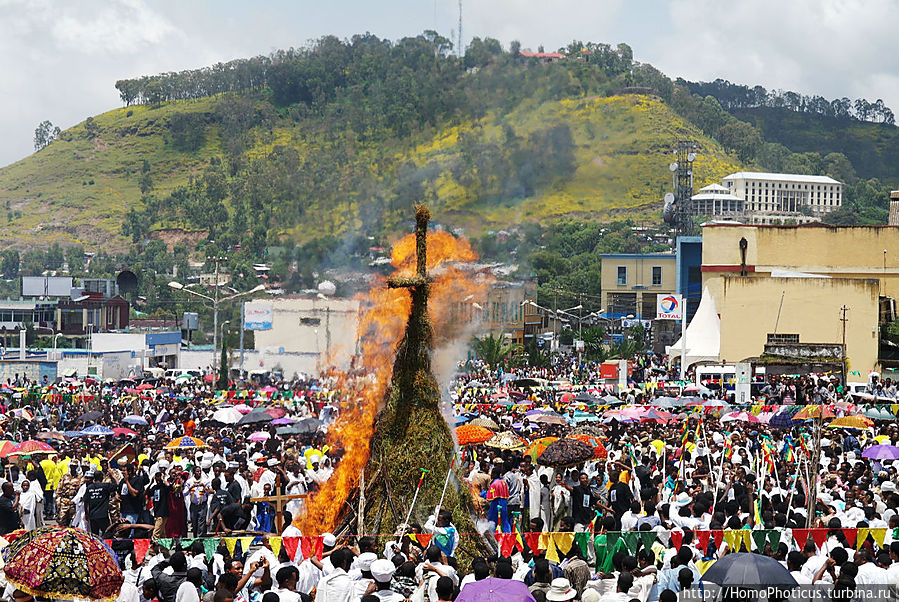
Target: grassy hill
[80,188]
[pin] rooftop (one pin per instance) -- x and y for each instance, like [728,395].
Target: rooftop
[779,177]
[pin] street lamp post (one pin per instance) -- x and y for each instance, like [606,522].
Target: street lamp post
[215,303]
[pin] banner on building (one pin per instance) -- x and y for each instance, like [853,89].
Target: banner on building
[669,307]
[257,316]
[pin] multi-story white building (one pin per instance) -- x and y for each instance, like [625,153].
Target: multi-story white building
[774,198]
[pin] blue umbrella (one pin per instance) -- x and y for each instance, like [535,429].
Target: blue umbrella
[135,419]
[97,430]
[783,420]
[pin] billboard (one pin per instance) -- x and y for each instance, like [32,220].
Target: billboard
[46,286]
[257,315]
[669,307]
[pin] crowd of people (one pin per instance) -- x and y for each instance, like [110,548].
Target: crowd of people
[685,477]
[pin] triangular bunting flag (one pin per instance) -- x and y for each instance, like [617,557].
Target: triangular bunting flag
[850,536]
[630,540]
[612,538]
[649,538]
[730,537]
[774,538]
[879,535]
[140,550]
[862,536]
[533,541]
[747,539]
[547,543]
[310,545]
[701,536]
[231,542]
[186,543]
[819,536]
[506,544]
[760,538]
[165,543]
[718,534]
[275,544]
[583,542]
[292,545]
[245,543]
[677,539]
[801,536]
[425,539]
[563,541]
[210,545]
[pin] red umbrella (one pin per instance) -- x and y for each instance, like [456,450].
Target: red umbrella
[276,412]
[144,386]
[119,430]
[30,447]
[5,448]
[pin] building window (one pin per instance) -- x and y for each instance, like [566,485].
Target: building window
[622,275]
[657,275]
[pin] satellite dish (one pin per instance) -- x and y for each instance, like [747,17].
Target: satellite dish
[126,281]
[669,213]
[691,157]
[672,167]
[669,197]
[327,288]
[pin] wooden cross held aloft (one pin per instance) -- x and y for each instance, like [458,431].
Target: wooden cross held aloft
[278,501]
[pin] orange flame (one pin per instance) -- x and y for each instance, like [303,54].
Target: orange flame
[382,324]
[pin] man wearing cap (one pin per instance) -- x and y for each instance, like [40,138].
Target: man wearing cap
[382,573]
[362,577]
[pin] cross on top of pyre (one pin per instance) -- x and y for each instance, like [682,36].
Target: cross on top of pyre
[422,217]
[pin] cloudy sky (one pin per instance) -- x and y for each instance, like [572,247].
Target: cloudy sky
[60,59]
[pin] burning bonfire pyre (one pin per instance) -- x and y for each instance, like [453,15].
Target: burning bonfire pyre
[395,427]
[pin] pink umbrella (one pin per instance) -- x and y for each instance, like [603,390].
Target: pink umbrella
[119,430]
[743,416]
[275,412]
[268,389]
[657,415]
[259,436]
[243,408]
[634,411]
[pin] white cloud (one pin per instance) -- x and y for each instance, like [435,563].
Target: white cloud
[106,27]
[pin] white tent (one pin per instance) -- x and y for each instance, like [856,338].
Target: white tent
[703,334]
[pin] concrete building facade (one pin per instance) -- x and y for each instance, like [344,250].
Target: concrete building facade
[631,283]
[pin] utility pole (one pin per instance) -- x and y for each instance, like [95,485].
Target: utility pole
[215,306]
[844,319]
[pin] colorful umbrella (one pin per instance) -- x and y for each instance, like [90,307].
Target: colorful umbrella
[588,429]
[186,443]
[259,436]
[97,430]
[506,440]
[122,431]
[741,416]
[599,450]
[537,446]
[472,434]
[565,452]
[243,408]
[852,422]
[282,421]
[62,563]
[275,412]
[6,447]
[135,420]
[487,423]
[30,447]
[547,419]
[882,452]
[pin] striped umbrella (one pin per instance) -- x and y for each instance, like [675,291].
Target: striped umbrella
[29,447]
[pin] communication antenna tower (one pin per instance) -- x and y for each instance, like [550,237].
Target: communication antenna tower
[678,210]
[461,49]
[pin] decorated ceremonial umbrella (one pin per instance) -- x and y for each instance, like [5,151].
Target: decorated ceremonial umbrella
[744,569]
[566,452]
[537,446]
[852,422]
[97,430]
[599,450]
[26,448]
[63,563]
[814,412]
[588,429]
[506,440]
[135,420]
[255,418]
[741,416]
[186,443]
[882,452]
[6,447]
[472,434]
[487,423]
[259,436]
[547,419]
[227,416]
[21,414]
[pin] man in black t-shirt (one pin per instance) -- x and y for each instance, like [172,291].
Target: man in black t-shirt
[96,502]
[9,509]
[235,517]
[159,493]
[583,503]
[131,492]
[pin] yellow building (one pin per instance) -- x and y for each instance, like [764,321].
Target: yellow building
[805,274]
[631,282]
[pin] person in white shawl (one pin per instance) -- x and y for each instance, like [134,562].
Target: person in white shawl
[31,505]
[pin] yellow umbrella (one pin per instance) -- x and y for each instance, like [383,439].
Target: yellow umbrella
[536,447]
[852,422]
[815,412]
[658,445]
[882,439]
[186,443]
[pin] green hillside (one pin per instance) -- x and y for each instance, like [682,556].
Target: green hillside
[872,148]
[343,137]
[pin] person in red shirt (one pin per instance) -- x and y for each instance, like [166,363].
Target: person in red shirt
[498,497]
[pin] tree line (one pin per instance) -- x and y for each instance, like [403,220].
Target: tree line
[737,96]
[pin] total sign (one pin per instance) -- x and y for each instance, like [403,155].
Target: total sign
[669,307]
